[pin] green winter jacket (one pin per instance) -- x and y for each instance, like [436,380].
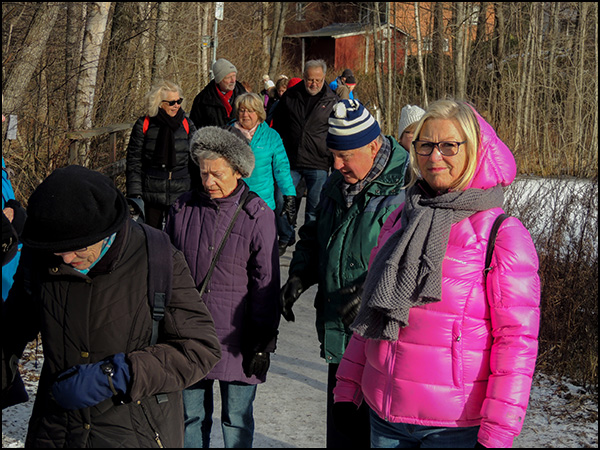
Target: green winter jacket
[334,250]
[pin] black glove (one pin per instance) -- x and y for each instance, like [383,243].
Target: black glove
[20,215]
[289,208]
[289,294]
[349,310]
[256,364]
[479,445]
[346,418]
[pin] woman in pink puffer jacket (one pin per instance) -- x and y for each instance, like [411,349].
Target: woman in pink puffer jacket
[439,352]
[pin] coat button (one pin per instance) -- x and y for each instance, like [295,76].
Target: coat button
[86,426]
[85,354]
[54,270]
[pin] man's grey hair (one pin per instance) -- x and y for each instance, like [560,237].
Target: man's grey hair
[315,63]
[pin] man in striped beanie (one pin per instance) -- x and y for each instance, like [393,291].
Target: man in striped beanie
[333,252]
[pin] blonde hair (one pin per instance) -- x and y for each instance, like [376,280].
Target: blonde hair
[253,102]
[156,95]
[462,114]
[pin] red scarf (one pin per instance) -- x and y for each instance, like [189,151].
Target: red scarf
[225,100]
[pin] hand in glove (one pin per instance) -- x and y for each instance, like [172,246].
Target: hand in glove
[290,292]
[349,310]
[87,385]
[346,418]
[256,364]
[289,208]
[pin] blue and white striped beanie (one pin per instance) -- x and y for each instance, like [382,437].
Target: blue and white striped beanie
[351,126]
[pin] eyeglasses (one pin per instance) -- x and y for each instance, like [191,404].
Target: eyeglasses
[77,252]
[446,148]
[249,111]
[314,80]
[172,102]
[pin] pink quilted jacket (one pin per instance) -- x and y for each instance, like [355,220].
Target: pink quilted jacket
[469,359]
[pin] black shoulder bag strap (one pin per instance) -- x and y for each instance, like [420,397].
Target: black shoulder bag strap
[244,198]
[492,242]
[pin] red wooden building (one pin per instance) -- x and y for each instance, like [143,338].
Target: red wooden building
[347,45]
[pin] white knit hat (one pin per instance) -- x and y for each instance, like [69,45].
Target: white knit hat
[409,115]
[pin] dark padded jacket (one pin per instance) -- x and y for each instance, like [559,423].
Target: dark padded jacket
[87,318]
[304,132]
[146,177]
[208,110]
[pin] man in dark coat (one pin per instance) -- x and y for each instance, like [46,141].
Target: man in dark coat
[214,104]
[301,120]
[82,283]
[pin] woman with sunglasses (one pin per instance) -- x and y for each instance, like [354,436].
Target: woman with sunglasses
[442,353]
[158,169]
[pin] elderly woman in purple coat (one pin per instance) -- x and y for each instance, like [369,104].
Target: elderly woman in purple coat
[242,293]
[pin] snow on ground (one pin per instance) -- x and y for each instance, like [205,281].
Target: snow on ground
[289,409]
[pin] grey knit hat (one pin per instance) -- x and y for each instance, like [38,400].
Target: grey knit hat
[226,145]
[409,115]
[221,68]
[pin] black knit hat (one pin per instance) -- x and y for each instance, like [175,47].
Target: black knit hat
[73,208]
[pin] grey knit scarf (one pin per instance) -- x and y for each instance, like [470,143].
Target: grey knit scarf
[407,270]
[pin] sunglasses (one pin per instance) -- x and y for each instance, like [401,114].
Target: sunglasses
[172,102]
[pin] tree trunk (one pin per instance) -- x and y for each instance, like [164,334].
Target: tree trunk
[424,101]
[438,49]
[161,54]
[266,47]
[95,30]
[29,56]
[278,32]
[76,13]
[460,64]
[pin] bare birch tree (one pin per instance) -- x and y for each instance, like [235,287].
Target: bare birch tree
[424,97]
[280,9]
[90,57]
[29,56]
[161,54]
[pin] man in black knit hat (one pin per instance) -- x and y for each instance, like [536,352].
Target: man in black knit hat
[83,283]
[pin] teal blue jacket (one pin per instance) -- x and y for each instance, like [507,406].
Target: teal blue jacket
[271,165]
[334,250]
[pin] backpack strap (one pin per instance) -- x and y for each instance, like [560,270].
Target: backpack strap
[492,242]
[160,274]
[146,124]
[186,125]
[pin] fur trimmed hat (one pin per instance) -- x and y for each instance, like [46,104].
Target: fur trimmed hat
[225,144]
[73,208]
[221,68]
[409,115]
[351,126]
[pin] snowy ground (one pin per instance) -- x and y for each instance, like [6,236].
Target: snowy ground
[290,406]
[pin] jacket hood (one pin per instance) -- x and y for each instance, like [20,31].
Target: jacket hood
[495,162]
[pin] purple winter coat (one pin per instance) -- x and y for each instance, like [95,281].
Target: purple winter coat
[243,292]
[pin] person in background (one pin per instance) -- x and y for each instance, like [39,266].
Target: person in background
[241,294]
[454,347]
[83,283]
[158,161]
[341,80]
[409,118]
[281,86]
[333,250]
[301,120]
[268,93]
[271,162]
[345,89]
[213,106]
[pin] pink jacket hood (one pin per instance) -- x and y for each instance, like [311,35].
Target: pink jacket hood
[495,163]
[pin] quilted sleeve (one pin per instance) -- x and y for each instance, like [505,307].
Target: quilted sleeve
[513,292]
[349,374]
